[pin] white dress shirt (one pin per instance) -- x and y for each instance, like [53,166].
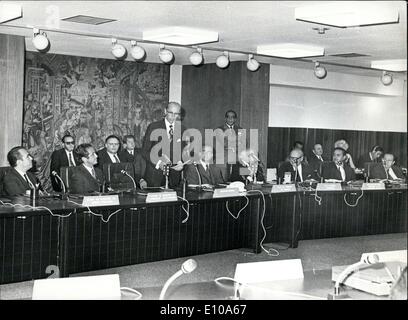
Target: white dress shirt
[72,157]
[112,157]
[342,172]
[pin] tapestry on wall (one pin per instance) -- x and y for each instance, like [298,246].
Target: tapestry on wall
[90,99]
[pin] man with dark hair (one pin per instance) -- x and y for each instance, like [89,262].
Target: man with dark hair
[163,146]
[18,180]
[130,154]
[204,171]
[373,156]
[298,168]
[109,154]
[64,157]
[387,169]
[338,169]
[86,178]
[298,145]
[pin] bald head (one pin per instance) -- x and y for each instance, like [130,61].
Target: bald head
[388,160]
[173,111]
[296,156]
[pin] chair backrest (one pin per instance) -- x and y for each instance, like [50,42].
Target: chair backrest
[3,173]
[115,178]
[66,174]
[367,168]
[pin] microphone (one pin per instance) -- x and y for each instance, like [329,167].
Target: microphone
[133,180]
[63,196]
[187,267]
[365,260]
[198,173]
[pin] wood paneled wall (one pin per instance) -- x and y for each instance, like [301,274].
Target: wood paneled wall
[208,92]
[280,142]
[11,93]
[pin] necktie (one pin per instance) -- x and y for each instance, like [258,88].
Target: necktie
[29,182]
[116,158]
[205,166]
[131,152]
[93,173]
[70,161]
[343,173]
[320,157]
[171,131]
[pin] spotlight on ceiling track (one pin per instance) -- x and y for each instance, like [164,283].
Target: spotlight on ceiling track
[252,64]
[137,52]
[196,58]
[319,71]
[118,50]
[40,40]
[165,55]
[222,60]
[386,78]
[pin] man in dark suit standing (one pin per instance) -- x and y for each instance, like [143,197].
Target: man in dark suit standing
[387,169]
[64,157]
[18,180]
[316,159]
[130,154]
[338,169]
[373,156]
[109,154]
[299,170]
[162,145]
[86,178]
[204,171]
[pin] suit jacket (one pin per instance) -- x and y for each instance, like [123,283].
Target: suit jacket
[238,170]
[81,181]
[213,174]
[364,159]
[14,184]
[59,159]
[330,171]
[315,163]
[138,161]
[307,172]
[153,176]
[377,171]
[103,158]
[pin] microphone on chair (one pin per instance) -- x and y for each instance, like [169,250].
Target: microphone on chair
[187,267]
[128,175]
[62,196]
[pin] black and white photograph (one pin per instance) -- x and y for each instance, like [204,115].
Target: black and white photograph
[203,155]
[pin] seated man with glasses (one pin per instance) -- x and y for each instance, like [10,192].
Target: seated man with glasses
[18,181]
[86,178]
[387,169]
[299,170]
[110,154]
[64,157]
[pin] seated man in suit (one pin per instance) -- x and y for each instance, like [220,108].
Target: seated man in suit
[344,145]
[64,157]
[18,180]
[109,154]
[86,178]
[338,169]
[373,156]
[248,169]
[132,155]
[387,169]
[299,170]
[204,171]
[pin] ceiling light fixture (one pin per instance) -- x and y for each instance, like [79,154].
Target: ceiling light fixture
[165,55]
[386,78]
[290,50]
[319,71]
[222,60]
[137,52]
[118,50]
[252,64]
[390,65]
[180,36]
[40,40]
[348,14]
[196,58]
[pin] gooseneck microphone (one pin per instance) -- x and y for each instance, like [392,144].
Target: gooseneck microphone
[198,173]
[128,175]
[187,267]
[365,260]
[62,196]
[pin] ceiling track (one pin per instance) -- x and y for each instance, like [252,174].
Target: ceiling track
[129,38]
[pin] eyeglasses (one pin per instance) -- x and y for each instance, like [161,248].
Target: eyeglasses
[113,144]
[173,113]
[69,142]
[293,158]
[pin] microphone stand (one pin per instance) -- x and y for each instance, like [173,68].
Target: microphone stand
[63,195]
[166,171]
[133,180]
[200,187]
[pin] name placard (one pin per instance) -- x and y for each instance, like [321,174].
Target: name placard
[373,186]
[279,188]
[161,196]
[97,201]
[226,192]
[328,187]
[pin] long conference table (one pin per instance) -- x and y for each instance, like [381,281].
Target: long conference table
[36,244]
